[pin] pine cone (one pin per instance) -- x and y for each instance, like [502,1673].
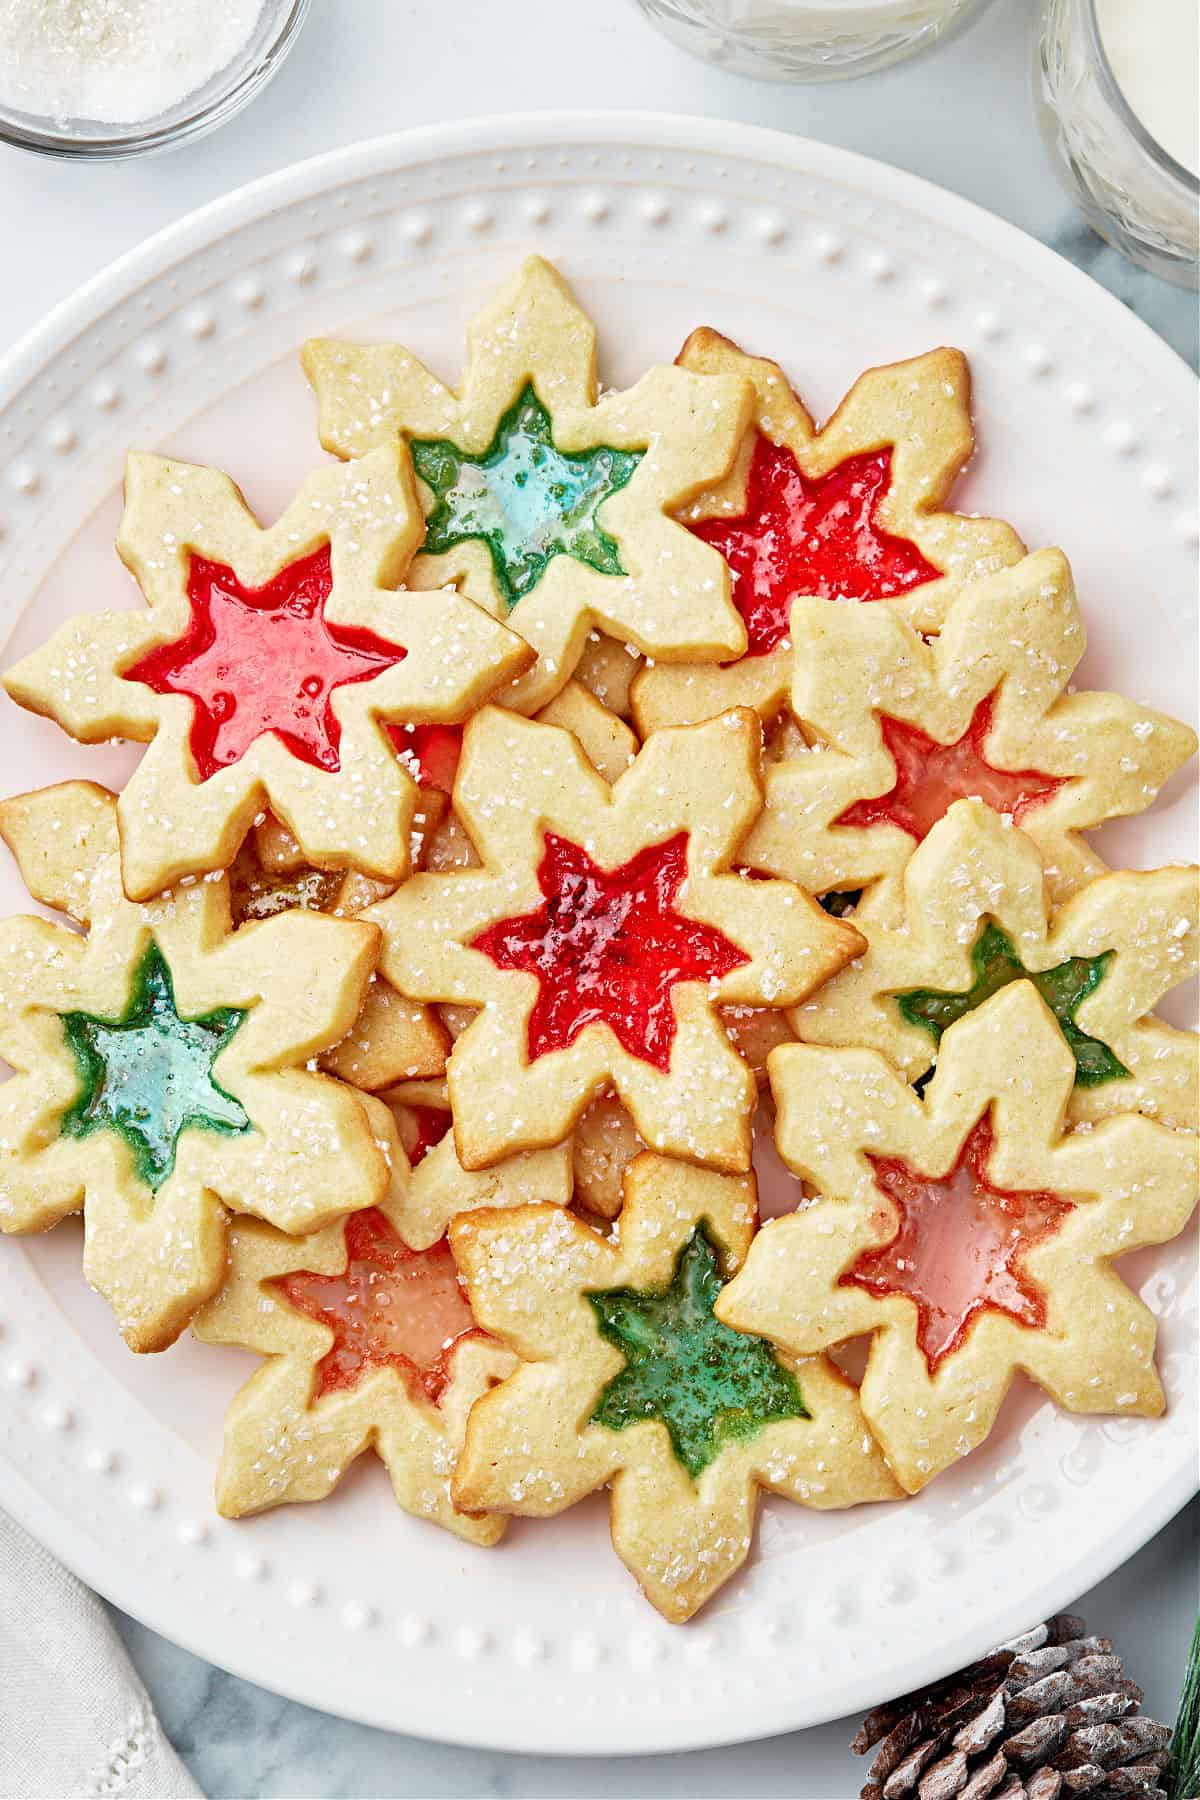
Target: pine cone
[1048,1716]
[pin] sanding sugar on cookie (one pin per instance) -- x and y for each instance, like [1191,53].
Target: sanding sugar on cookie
[369,1344]
[628,1379]
[976,919]
[965,1233]
[600,936]
[850,512]
[438,1188]
[266,666]
[162,1067]
[548,502]
[899,727]
[392,1039]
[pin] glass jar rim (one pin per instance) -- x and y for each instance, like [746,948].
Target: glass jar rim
[1115,94]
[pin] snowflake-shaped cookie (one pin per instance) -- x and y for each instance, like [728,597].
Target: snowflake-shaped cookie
[606,740]
[370,1344]
[902,728]
[266,666]
[630,1379]
[393,1039]
[976,919]
[852,511]
[601,934]
[964,1233]
[546,502]
[610,747]
[605,1139]
[438,1188]
[161,1067]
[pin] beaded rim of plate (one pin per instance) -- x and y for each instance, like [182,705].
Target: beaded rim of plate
[416,220]
[199,112]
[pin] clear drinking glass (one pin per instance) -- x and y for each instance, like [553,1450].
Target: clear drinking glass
[808,40]
[1133,192]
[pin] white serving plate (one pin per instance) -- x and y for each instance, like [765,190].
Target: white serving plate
[830,263]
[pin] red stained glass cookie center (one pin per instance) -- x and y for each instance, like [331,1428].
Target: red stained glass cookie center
[392,1308]
[608,946]
[959,1246]
[818,535]
[930,777]
[258,660]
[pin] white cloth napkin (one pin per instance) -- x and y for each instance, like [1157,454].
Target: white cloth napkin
[75,1721]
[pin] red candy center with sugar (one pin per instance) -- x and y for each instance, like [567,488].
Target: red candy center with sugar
[818,535]
[930,777]
[392,1308]
[958,1247]
[607,947]
[258,660]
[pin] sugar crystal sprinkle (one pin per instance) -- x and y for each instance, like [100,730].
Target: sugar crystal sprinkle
[116,61]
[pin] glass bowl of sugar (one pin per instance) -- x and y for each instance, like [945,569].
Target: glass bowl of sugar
[114,78]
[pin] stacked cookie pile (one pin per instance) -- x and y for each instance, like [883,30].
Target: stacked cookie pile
[562,780]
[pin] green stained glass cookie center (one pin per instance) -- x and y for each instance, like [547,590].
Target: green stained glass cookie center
[148,1075]
[707,1383]
[527,500]
[1064,988]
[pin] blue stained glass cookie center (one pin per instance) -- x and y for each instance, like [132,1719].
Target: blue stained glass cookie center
[527,500]
[148,1075]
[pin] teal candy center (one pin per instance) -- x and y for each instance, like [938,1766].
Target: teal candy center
[527,500]
[1064,988]
[707,1383]
[148,1075]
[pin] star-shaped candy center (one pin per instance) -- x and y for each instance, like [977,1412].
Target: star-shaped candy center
[258,660]
[958,1246]
[818,535]
[707,1383]
[930,777]
[607,948]
[1064,988]
[148,1074]
[391,1308]
[527,500]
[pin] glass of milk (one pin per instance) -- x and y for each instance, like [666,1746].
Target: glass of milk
[808,40]
[1117,92]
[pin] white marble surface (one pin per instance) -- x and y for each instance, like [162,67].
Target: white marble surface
[961,117]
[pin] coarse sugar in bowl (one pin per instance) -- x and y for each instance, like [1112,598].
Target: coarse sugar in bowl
[116,78]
